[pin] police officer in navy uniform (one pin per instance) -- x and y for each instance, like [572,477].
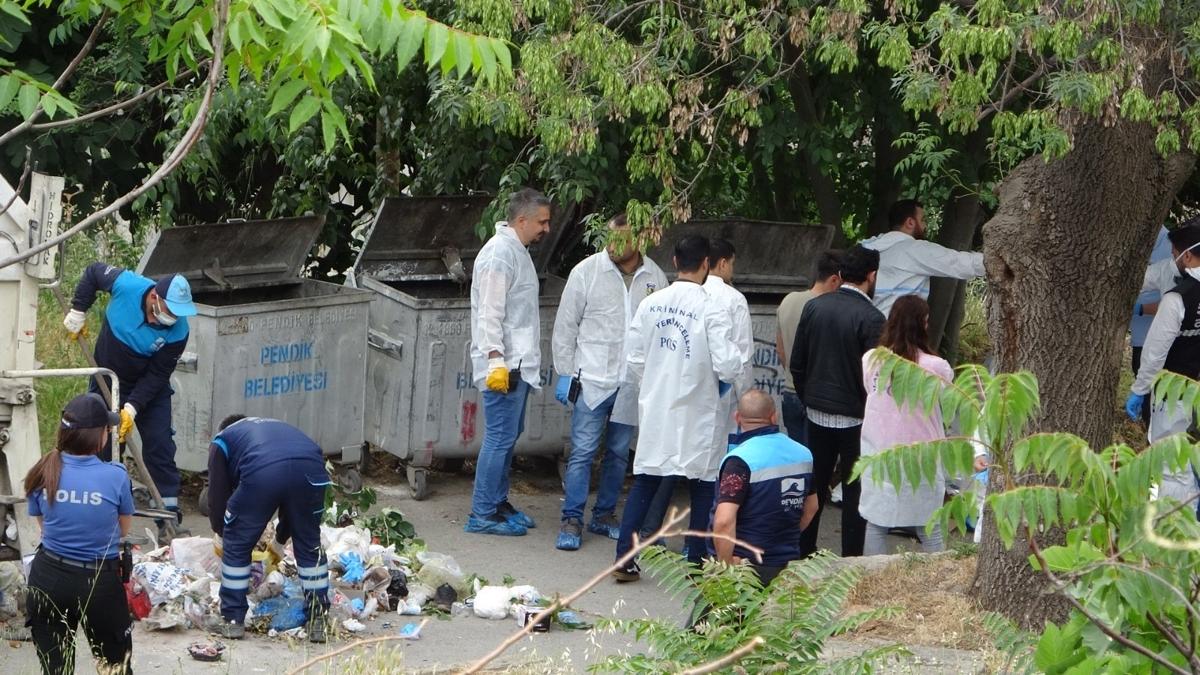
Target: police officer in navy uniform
[257,466]
[144,332]
[764,491]
[84,507]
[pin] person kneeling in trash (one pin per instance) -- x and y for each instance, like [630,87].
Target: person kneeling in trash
[84,506]
[257,466]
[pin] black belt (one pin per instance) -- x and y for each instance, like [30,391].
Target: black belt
[85,564]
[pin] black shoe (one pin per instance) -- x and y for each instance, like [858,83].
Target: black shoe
[316,629]
[511,514]
[630,572]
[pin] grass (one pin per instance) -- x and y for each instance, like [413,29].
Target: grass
[936,606]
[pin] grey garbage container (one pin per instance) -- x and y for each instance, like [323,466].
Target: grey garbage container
[421,401]
[265,342]
[773,259]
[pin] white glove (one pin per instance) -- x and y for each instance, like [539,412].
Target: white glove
[75,321]
[132,411]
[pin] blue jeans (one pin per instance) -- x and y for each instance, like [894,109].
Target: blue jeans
[638,503]
[587,426]
[503,422]
[794,418]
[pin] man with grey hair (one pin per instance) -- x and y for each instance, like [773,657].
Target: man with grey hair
[506,355]
[765,494]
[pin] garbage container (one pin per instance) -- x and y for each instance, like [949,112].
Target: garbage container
[265,342]
[422,403]
[773,259]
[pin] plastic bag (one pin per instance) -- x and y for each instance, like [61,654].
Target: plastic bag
[12,590]
[270,587]
[285,613]
[492,602]
[195,556]
[138,601]
[162,581]
[439,568]
[165,616]
[338,540]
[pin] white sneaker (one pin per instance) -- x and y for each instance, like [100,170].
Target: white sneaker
[835,497]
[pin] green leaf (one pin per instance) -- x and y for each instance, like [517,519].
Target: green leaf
[502,54]
[464,49]
[27,100]
[49,105]
[268,14]
[11,9]
[9,84]
[410,39]
[450,58]
[328,131]
[303,112]
[488,59]
[435,44]
[1057,650]
[285,94]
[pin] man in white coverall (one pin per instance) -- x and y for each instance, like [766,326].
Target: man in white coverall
[721,257]
[506,355]
[597,305]
[681,348]
[1173,344]
[906,260]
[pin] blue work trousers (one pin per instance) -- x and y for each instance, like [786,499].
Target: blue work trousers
[642,493]
[296,489]
[587,428]
[795,421]
[158,442]
[503,422]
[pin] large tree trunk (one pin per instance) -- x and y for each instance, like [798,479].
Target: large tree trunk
[960,219]
[1065,254]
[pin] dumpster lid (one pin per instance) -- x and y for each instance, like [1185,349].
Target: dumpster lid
[423,239]
[772,257]
[235,254]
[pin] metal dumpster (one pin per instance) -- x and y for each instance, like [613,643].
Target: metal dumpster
[773,259]
[265,341]
[422,403]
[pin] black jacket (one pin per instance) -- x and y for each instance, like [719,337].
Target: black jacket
[835,330]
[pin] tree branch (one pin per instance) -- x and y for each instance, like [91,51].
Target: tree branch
[62,80]
[1172,637]
[116,107]
[181,150]
[729,659]
[21,183]
[1011,94]
[353,645]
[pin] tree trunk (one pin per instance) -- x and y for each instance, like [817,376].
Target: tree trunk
[1065,254]
[824,190]
[961,217]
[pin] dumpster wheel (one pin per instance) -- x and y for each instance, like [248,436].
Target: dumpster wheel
[350,480]
[202,501]
[418,481]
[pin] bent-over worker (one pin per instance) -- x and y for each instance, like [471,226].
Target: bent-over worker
[257,466]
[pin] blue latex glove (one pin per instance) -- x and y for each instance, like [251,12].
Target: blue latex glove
[562,389]
[1133,406]
[722,388]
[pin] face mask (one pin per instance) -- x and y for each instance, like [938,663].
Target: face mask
[162,317]
[1179,257]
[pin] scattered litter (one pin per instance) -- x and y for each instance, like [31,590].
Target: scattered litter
[12,590]
[295,633]
[137,599]
[460,609]
[439,568]
[206,651]
[338,540]
[445,597]
[410,631]
[163,581]
[285,612]
[165,616]
[409,608]
[195,556]
[353,625]
[569,618]
[271,587]
[525,615]
[352,564]
[398,587]
[369,609]
[420,594]
[491,602]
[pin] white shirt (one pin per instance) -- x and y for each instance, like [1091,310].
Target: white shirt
[680,345]
[1161,276]
[732,301]
[589,329]
[905,265]
[1168,323]
[504,308]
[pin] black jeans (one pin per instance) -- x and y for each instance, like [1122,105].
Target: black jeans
[840,447]
[60,597]
[638,503]
[794,419]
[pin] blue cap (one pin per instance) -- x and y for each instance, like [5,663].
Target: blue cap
[177,293]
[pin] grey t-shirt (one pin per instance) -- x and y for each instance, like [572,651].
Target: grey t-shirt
[788,316]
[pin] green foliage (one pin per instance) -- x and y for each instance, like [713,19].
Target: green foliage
[389,526]
[1127,563]
[795,615]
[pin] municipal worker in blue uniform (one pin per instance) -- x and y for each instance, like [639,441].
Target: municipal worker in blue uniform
[257,466]
[84,506]
[764,491]
[144,332]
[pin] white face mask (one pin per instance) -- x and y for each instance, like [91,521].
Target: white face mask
[162,317]
[1180,256]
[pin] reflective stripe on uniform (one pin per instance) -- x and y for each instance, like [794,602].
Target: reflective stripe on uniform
[228,571]
[313,572]
[314,584]
[235,584]
[776,472]
[170,502]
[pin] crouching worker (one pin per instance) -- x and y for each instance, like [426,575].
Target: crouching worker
[257,466]
[764,491]
[83,506]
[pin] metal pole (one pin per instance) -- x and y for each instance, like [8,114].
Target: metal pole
[115,387]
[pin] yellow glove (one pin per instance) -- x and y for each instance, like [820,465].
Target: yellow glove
[217,547]
[497,377]
[128,412]
[76,324]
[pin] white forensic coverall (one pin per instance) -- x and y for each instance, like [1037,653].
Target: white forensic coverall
[504,308]
[732,301]
[680,344]
[906,263]
[1166,420]
[589,330]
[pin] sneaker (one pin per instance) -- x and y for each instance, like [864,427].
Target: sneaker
[630,572]
[230,630]
[494,524]
[606,526]
[316,629]
[569,535]
[511,513]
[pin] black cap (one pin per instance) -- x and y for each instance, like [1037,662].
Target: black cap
[88,411]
